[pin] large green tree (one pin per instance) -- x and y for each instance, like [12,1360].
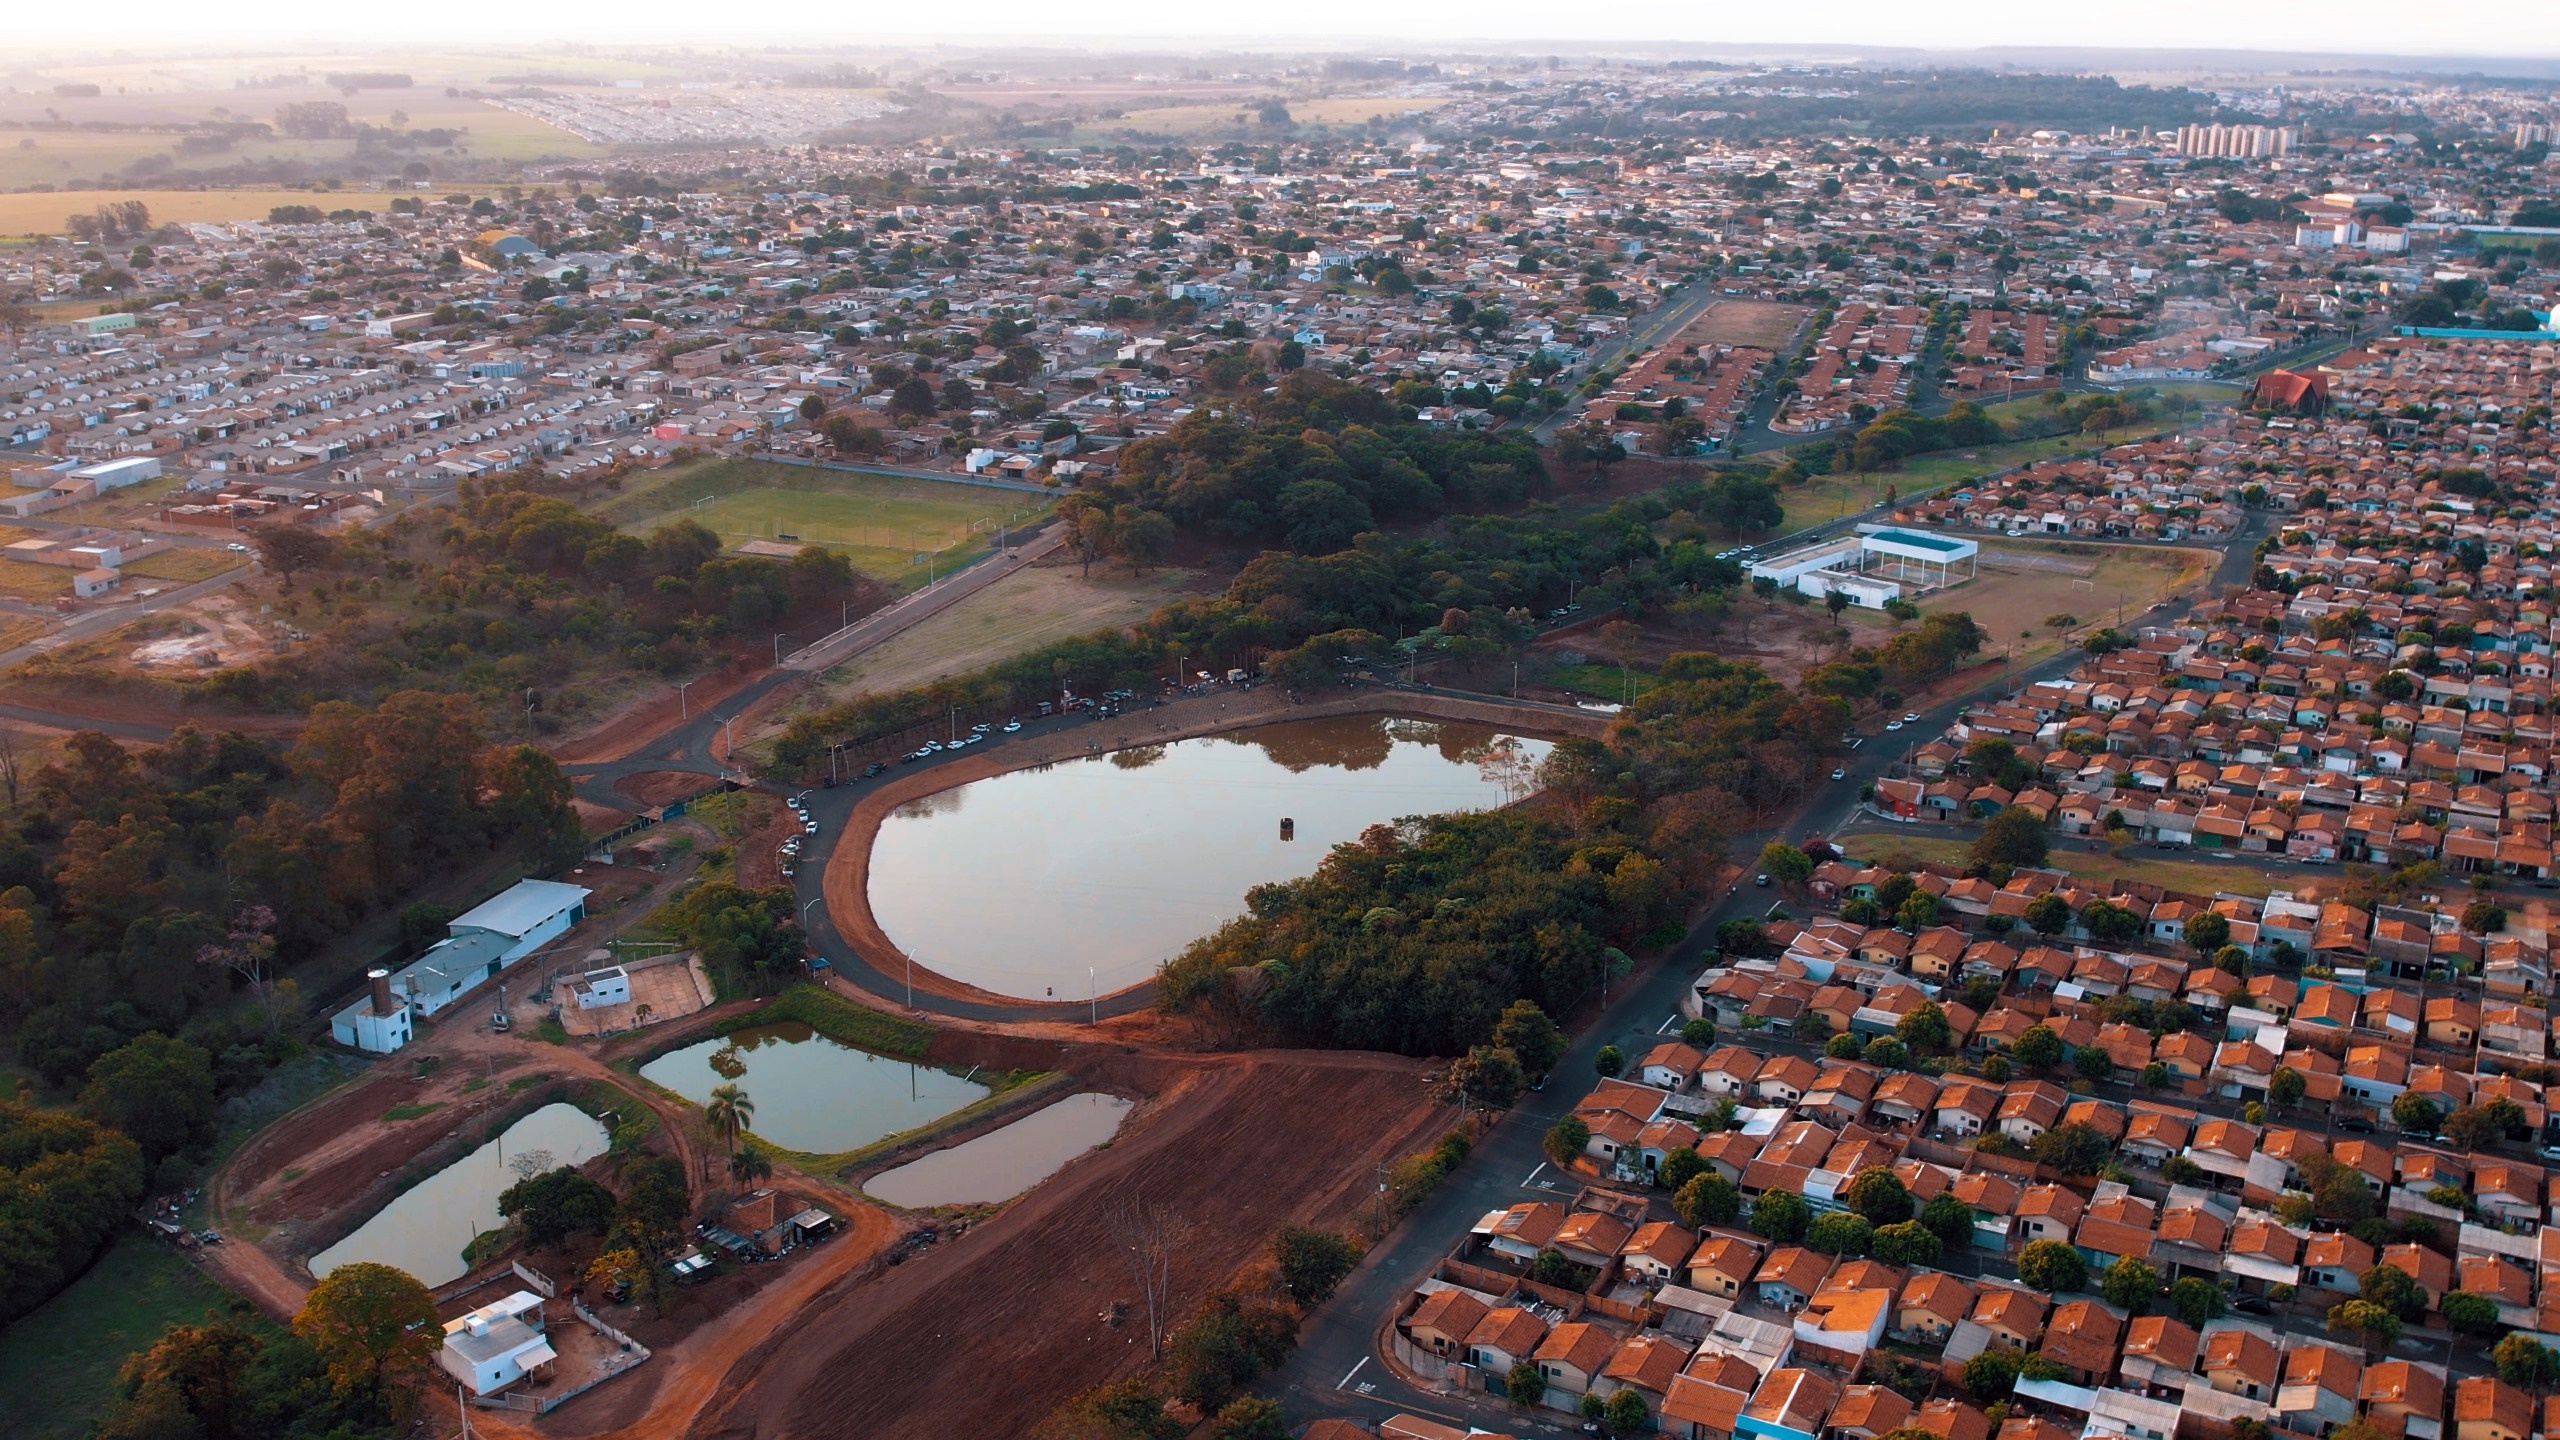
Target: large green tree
[376,1328]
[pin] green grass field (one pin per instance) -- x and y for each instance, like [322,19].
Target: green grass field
[58,1365]
[2187,876]
[1823,497]
[894,529]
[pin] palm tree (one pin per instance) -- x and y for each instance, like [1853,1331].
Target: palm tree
[730,1112]
[749,1166]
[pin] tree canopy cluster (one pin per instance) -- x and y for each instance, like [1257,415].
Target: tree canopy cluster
[66,1185]
[1315,464]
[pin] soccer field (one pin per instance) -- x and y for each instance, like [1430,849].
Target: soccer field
[897,530]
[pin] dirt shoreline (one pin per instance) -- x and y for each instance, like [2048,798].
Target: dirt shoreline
[847,882]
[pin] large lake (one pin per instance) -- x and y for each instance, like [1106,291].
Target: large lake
[1082,876]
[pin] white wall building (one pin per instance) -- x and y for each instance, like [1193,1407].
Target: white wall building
[598,988]
[497,1345]
[377,1024]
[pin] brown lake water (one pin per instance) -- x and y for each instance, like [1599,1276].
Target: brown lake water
[424,1230]
[1003,1163]
[812,1094]
[1082,876]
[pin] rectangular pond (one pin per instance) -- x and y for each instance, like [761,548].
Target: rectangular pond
[425,1229]
[812,1094]
[1003,1163]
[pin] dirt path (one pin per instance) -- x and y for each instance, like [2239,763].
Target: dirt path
[847,882]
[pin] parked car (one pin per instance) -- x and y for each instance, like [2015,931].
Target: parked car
[1911,717]
[874,768]
[1838,773]
[1893,724]
[1010,726]
[1761,880]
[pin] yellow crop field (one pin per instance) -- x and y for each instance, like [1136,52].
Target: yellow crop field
[42,212]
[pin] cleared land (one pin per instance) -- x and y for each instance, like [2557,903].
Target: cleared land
[1240,113]
[43,213]
[1755,324]
[2191,877]
[2091,582]
[58,1365]
[895,529]
[185,565]
[1824,497]
[1023,611]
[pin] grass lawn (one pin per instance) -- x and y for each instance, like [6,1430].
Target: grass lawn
[1023,611]
[43,213]
[58,1365]
[1599,680]
[1821,498]
[186,564]
[893,528]
[2193,877]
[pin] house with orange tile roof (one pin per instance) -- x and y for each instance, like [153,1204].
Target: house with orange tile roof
[1646,1364]
[2240,1361]
[1658,1251]
[2047,1212]
[1790,1404]
[1952,1420]
[2487,1408]
[2081,1336]
[1573,1355]
[1931,1304]
[2159,1351]
[1507,1335]
[1723,1265]
[2319,1388]
[1589,1237]
[2402,1391]
[1866,1412]
[1706,1399]
[1791,1274]
[2014,1316]
[1444,1320]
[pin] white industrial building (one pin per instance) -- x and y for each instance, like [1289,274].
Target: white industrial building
[598,988]
[497,1345]
[1873,566]
[477,945]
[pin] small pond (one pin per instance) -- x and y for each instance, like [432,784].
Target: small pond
[1003,1163]
[425,1229]
[812,1094]
[1080,877]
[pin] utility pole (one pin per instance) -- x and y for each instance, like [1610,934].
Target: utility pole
[684,707]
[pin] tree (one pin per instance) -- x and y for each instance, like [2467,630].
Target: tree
[2130,1283]
[1992,1374]
[1780,1215]
[2109,923]
[375,1327]
[2052,1266]
[556,1204]
[1121,1410]
[2285,1086]
[1679,1166]
[2526,1363]
[2478,1127]
[2415,1113]
[2394,1290]
[2376,1326]
[158,1090]
[2467,1313]
[1878,1194]
[1566,1140]
[2482,917]
[1709,1199]
[1526,1032]
[2195,1300]
[749,1165]
[1924,1029]
[1250,1417]
[1627,1413]
[1839,1232]
[2093,1064]
[1523,1385]
[1786,864]
[1948,1218]
[1311,1262]
[1486,1075]
[2073,1149]
[2036,1048]
[1609,1060]
[1907,1243]
[289,549]
[2049,914]
[730,1112]
[1699,1031]
[2013,836]
[2208,932]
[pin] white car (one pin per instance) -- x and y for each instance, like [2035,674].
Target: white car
[1893,724]
[1011,726]
[1839,774]
[237,548]
[1911,718]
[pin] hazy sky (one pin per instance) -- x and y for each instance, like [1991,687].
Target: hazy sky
[2475,27]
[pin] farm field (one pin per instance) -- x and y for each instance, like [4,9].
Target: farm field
[58,1365]
[1239,113]
[42,212]
[1023,611]
[895,529]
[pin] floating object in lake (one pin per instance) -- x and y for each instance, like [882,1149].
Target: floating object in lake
[1288,828]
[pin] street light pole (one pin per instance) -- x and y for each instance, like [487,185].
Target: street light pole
[684,706]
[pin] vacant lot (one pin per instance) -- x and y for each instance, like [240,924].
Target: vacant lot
[2146,867]
[896,529]
[1023,611]
[43,214]
[1755,324]
[1240,113]
[185,565]
[1827,497]
[2020,586]
[58,1366]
